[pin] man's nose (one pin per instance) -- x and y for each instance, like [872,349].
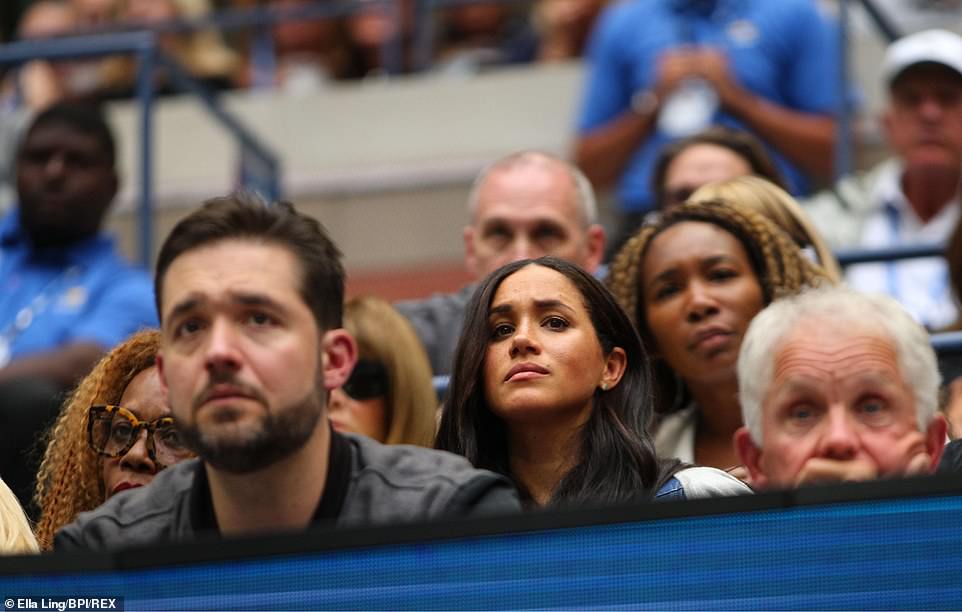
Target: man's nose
[931,109]
[523,248]
[839,438]
[54,165]
[222,351]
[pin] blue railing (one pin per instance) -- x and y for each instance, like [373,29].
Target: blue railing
[144,47]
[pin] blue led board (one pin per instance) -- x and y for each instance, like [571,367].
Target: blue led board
[891,546]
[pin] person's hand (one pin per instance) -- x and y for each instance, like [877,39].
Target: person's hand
[674,67]
[562,15]
[820,470]
[918,461]
[712,65]
[40,84]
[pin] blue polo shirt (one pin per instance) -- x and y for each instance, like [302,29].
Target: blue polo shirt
[85,292]
[782,50]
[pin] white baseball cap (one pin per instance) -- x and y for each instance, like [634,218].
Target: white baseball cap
[931,46]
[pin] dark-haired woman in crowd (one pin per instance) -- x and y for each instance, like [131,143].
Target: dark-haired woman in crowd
[114,433]
[692,281]
[716,154]
[551,388]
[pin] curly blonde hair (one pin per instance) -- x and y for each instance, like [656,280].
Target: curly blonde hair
[70,481]
[385,335]
[779,264]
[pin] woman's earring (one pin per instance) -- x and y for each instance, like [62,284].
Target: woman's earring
[604,386]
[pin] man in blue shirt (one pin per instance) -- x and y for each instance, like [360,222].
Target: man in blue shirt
[66,295]
[767,67]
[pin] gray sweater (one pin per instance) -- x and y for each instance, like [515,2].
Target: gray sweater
[368,484]
[438,321]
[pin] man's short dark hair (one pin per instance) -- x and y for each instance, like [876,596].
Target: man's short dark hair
[245,216]
[84,118]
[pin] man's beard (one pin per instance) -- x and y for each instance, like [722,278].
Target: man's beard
[279,434]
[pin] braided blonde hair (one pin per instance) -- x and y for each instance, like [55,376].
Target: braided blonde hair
[779,264]
[70,481]
[775,203]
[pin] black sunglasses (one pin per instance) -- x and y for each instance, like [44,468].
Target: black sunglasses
[368,380]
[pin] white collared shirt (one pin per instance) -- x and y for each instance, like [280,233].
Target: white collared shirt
[921,285]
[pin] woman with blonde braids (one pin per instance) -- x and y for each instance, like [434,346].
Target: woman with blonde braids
[691,282]
[114,433]
[775,203]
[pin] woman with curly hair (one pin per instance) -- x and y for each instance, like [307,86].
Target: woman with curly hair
[114,433]
[691,282]
[551,388]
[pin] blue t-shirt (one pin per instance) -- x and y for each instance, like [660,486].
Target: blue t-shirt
[782,50]
[85,292]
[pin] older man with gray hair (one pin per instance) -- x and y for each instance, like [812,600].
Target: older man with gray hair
[835,386]
[522,206]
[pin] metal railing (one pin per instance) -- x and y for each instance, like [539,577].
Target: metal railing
[144,47]
[848,257]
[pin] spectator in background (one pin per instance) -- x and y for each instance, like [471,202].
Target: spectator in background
[94,449]
[522,206]
[28,88]
[66,294]
[40,83]
[550,388]
[202,53]
[561,27]
[250,298]
[837,386]
[370,29]
[913,197]
[389,396]
[95,13]
[773,202]
[306,54]
[716,154]
[663,69]
[691,282]
[476,35]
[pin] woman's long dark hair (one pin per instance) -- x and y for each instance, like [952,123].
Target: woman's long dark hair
[617,461]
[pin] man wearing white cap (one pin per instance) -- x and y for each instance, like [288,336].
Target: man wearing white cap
[912,198]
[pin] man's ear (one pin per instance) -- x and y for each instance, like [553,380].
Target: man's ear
[339,354]
[750,456]
[595,248]
[470,257]
[935,439]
